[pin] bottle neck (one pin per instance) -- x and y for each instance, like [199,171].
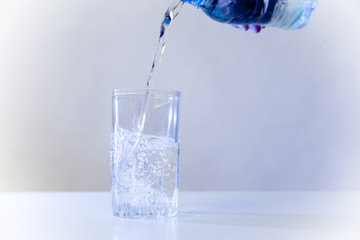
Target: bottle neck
[196,3]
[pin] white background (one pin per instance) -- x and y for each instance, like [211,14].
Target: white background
[278,110]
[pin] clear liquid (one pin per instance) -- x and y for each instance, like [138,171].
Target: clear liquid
[144,176]
[170,15]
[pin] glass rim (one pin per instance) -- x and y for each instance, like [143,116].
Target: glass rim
[142,91]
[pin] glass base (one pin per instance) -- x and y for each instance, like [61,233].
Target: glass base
[126,211]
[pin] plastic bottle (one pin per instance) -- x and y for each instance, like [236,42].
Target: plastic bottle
[286,14]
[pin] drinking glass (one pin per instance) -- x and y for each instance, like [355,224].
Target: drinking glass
[145,153]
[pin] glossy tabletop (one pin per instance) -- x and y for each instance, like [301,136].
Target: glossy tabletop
[202,215]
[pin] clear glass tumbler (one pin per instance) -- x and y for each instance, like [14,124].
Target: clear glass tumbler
[145,153]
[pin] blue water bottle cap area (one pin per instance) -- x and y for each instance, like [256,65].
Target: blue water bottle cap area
[196,3]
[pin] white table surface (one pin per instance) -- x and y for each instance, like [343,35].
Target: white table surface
[202,215]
